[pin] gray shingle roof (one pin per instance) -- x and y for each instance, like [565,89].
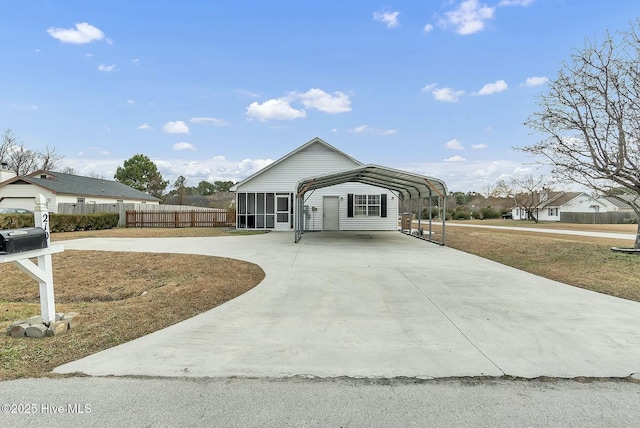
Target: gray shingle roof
[69,184]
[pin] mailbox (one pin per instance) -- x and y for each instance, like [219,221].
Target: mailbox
[25,239]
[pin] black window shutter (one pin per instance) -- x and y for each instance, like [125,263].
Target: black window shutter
[350,205]
[383,205]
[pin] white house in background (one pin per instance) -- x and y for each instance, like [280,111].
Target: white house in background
[553,204]
[614,204]
[57,187]
[265,200]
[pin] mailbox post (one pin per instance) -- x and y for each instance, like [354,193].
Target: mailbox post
[47,302]
[43,271]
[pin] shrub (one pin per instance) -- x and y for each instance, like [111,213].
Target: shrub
[63,222]
[488,212]
[75,222]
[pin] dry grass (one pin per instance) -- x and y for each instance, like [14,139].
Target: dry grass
[579,261]
[106,289]
[613,228]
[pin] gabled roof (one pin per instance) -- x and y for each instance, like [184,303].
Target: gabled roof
[287,156]
[69,184]
[560,199]
[407,184]
[616,202]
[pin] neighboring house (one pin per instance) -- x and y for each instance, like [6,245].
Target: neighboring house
[615,204]
[555,203]
[57,187]
[265,200]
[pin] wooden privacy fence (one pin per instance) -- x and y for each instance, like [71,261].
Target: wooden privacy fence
[175,219]
[611,217]
[122,208]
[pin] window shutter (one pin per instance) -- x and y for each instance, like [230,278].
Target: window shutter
[350,205]
[383,205]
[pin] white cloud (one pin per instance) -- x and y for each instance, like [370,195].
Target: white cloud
[479,146]
[88,55]
[177,127]
[131,102]
[183,146]
[454,145]
[82,34]
[467,176]
[429,87]
[469,18]
[135,61]
[247,93]
[359,129]
[388,18]
[524,3]
[274,109]
[145,126]
[320,100]
[364,129]
[428,28]
[447,95]
[535,81]
[104,152]
[209,121]
[493,88]
[106,68]
[455,159]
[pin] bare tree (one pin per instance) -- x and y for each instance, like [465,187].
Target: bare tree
[24,161]
[8,145]
[590,117]
[69,170]
[526,192]
[49,159]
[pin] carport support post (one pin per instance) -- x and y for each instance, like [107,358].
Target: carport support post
[47,302]
[419,215]
[444,218]
[430,213]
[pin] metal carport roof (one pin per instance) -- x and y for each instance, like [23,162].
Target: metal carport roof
[408,186]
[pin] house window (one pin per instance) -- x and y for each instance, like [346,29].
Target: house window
[80,200]
[366,205]
[552,212]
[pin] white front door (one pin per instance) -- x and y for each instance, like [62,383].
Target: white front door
[331,213]
[282,212]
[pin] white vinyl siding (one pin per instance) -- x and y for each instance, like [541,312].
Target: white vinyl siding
[313,160]
[316,159]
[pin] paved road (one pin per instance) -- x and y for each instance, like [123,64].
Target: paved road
[612,235]
[130,402]
[378,305]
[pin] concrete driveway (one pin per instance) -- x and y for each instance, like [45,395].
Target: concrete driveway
[378,304]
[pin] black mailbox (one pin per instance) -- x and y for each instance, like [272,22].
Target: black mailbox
[19,240]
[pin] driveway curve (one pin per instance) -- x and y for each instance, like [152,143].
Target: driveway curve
[377,304]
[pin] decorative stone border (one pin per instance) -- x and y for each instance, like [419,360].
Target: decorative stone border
[34,327]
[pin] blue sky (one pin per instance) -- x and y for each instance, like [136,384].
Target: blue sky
[217,90]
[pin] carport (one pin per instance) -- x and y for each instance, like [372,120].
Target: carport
[407,187]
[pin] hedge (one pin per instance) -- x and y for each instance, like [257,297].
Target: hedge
[63,222]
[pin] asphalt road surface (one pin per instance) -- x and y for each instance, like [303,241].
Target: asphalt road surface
[300,402]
